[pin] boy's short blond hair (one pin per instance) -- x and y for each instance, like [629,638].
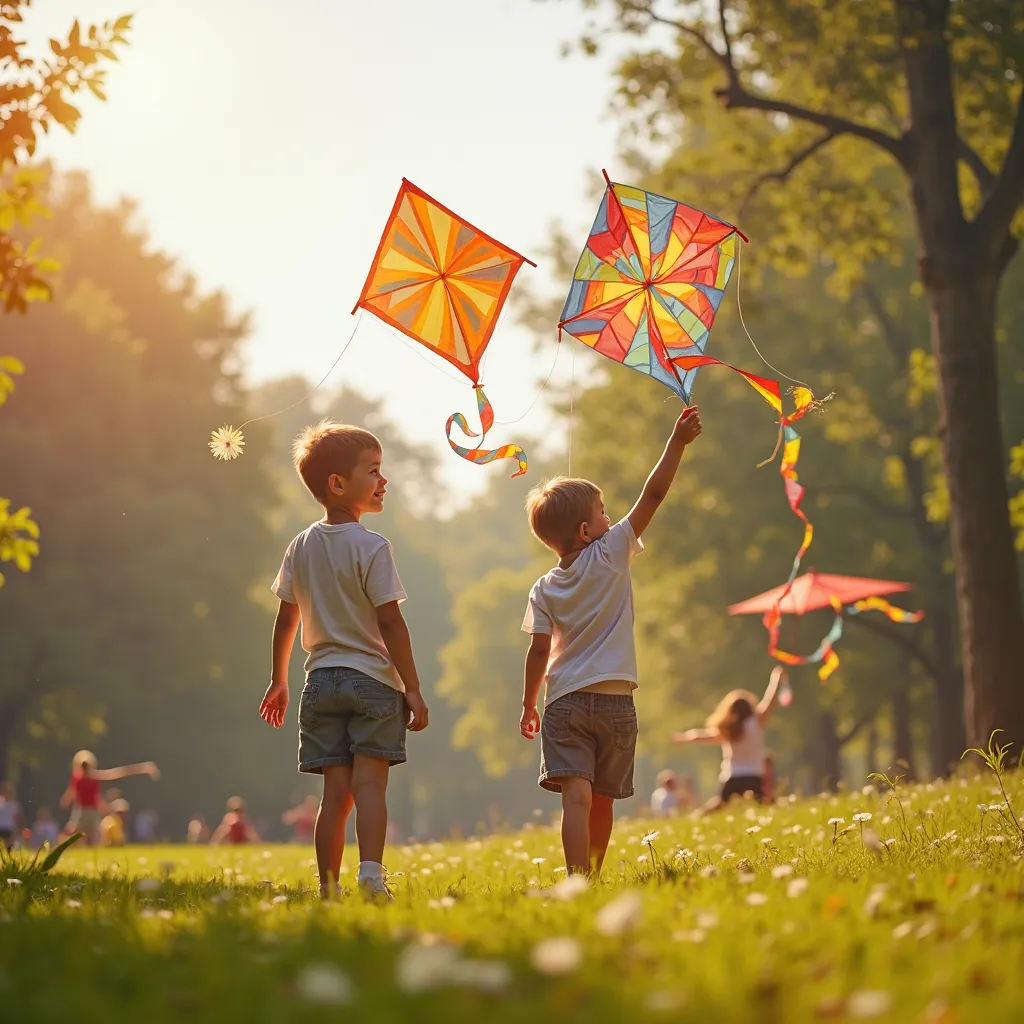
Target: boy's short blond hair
[556,509]
[329,448]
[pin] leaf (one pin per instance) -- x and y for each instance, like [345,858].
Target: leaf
[123,23]
[57,852]
[56,47]
[12,364]
[76,33]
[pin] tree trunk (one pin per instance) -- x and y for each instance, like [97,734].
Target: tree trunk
[987,585]
[827,768]
[947,732]
[902,742]
[871,750]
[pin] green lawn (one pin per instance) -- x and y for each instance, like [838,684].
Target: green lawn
[756,914]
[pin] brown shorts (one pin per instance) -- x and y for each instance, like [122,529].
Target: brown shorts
[589,736]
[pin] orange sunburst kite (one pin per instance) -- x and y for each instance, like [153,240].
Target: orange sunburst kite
[442,282]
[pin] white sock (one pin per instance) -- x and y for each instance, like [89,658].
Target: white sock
[371,871]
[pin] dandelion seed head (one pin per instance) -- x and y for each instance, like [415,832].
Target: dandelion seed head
[226,443]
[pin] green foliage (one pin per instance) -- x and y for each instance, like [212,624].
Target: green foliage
[747,915]
[18,537]
[1017,501]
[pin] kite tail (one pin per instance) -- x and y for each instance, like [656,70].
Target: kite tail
[482,456]
[767,389]
[824,656]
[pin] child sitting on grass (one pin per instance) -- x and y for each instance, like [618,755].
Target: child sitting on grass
[737,724]
[362,690]
[580,621]
[235,827]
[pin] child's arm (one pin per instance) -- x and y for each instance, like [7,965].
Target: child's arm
[533,679]
[395,634]
[658,483]
[771,695]
[123,772]
[67,797]
[275,700]
[221,833]
[698,736]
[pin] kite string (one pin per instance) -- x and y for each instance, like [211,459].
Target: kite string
[739,309]
[306,396]
[572,393]
[536,398]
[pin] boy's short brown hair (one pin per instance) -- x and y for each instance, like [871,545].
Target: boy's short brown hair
[556,509]
[329,448]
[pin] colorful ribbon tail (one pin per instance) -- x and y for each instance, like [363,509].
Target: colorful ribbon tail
[767,389]
[879,604]
[482,456]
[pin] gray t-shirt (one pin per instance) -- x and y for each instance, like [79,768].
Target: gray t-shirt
[339,575]
[588,611]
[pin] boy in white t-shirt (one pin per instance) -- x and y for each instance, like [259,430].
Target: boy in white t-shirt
[580,618]
[362,690]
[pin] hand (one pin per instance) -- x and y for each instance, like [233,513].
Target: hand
[275,704]
[683,737]
[529,723]
[688,426]
[416,708]
[150,769]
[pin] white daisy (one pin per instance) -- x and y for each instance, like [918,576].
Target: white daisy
[649,838]
[226,443]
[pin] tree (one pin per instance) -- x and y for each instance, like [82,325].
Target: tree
[847,92]
[34,98]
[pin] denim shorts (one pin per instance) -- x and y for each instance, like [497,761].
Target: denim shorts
[589,736]
[343,713]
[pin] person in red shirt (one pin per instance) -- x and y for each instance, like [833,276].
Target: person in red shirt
[235,827]
[302,819]
[83,793]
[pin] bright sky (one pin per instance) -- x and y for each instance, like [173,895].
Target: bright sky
[266,150]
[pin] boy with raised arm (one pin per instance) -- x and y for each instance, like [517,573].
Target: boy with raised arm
[580,621]
[362,690]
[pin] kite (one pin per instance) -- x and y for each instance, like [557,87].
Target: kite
[649,284]
[442,282]
[824,655]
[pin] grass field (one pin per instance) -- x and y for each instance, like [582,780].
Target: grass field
[780,913]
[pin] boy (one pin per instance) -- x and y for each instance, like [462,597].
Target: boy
[580,621]
[340,581]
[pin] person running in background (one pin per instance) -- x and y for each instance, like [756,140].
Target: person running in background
[112,828]
[44,829]
[235,827]
[302,819]
[198,830]
[10,815]
[738,725]
[145,825]
[83,792]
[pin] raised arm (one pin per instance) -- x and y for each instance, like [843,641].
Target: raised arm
[124,771]
[656,488]
[533,679]
[395,634]
[697,736]
[771,695]
[275,700]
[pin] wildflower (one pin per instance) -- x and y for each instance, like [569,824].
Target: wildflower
[891,841]
[483,975]
[746,877]
[620,915]
[767,841]
[145,885]
[569,888]
[796,888]
[707,921]
[996,838]
[73,904]
[444,903]
[642,859]
[165,915]
[862,816]
[757,899]
[650,838]
[901,931]
[873,903]
[280,899]
[325,985]
[420,968]
[983,808]
[782,870]
[14,881]
[837,821]
[226,443]
[538,860]
[753,829]
[708,871]
[556,956]
[868,1003]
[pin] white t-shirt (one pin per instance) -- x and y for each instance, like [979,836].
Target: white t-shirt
[587,609]
[339,575]
[663,801]
[8,813]
[744,757]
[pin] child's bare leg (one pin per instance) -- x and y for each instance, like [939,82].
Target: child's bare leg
[369,787]
[331,819]
[577,797]
[601,816]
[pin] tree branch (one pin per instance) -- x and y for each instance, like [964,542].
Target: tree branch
[985,178]
[1007,194]
[783,175]
[900,639]
[843,738]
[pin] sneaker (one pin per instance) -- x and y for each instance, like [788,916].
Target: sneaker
[375,890]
